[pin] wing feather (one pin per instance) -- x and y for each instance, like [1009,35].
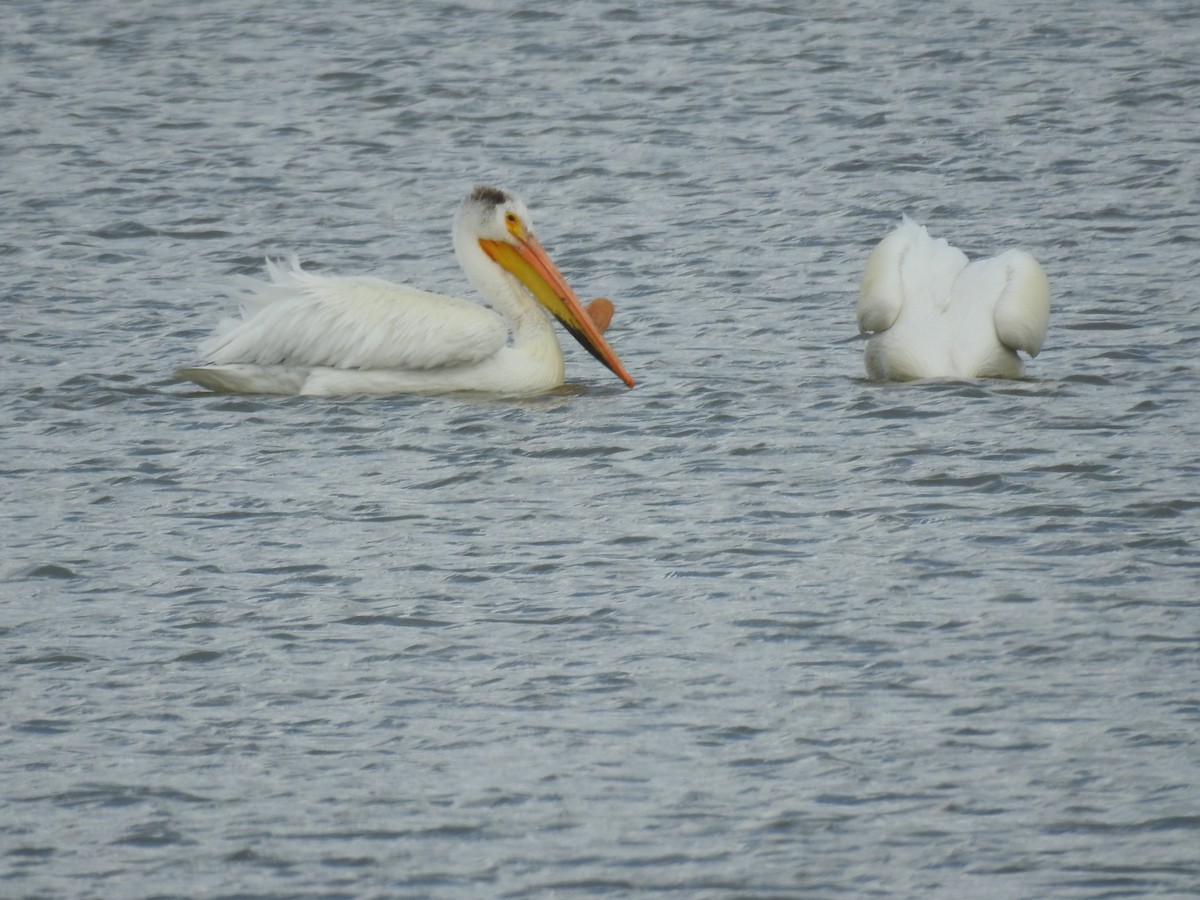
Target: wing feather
[301,319]
[1023,310]
[1014,289]
[907,266]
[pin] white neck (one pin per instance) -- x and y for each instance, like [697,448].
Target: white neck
[504,292]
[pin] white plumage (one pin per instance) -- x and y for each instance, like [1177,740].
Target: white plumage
[302,333]
[935,315]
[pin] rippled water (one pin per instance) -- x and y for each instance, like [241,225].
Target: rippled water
[757,627]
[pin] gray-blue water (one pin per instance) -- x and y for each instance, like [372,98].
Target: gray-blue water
[756,628]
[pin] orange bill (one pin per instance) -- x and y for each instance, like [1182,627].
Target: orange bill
[534,269]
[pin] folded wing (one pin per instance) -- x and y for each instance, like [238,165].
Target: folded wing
[908,267]
[299,319]
[1017,285]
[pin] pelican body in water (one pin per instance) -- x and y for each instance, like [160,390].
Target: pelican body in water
[934,315]
[313,334]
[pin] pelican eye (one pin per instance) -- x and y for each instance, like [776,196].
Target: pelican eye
[514,224]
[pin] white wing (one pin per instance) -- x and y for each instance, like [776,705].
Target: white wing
[300,319]
[908,266]
[1020,292]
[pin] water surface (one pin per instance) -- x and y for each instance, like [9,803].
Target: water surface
[757,627]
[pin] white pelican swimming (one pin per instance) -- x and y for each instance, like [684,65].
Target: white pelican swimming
[936,316]
[313,334]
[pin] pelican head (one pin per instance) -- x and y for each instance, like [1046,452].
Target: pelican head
[500,223]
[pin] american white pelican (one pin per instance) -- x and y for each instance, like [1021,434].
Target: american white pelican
[936,316]
[314,334]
